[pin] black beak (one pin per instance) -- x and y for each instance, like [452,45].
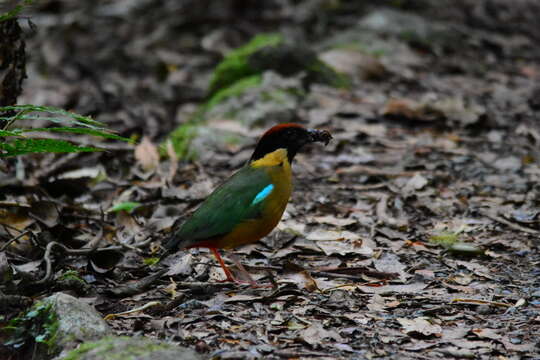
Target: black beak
[319,136]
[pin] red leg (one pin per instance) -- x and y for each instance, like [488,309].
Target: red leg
[226,270]
[229,274]
[243,270]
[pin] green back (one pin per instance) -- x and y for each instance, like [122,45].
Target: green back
[229,205]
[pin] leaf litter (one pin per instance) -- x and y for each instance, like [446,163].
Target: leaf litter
[414,234]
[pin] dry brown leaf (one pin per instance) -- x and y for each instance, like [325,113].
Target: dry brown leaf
[46,212]
[184,266]
[354,63]
[376,303]
[332,220]
[88,172]
[315,334]
[486,333]
[359,318]
[406,108]
[330,235]
[413,288]
[455,109]
[462,279]
[17,220]
[421,326]
[146,154]
[417,182]
[344,248]
[29,267]
[300,277]
[389,262]
[173,158]
[292,227]
[242,298]
[171,288]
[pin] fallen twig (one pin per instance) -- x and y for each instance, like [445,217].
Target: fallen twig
[137,309]
[511,224]
[84,251]
[136,247]
[361,270]
[204,287]
[138,286]
[5,246]
[480,302]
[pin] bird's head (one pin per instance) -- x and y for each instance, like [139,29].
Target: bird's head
[290,137]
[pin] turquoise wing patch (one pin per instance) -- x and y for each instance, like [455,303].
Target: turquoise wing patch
[263,194]
[239,199]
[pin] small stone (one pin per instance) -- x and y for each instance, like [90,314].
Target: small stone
[77,321]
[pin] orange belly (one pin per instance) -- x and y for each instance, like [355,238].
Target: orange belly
[249,231]
[252,230]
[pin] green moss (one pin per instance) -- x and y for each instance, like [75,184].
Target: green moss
[445,239]
[452,243]
[106,346]
[325,74]
[72,275]
[38,325]
[86,347]
[232,139]
[151,261]
[278,96]
[235,65]
[236,89]
[181,139]
[183,136]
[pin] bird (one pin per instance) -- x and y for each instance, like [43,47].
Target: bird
[248,205]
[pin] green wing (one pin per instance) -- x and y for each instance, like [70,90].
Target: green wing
[230,204]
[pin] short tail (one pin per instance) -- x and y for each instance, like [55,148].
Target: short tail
[170,244]
[175,242]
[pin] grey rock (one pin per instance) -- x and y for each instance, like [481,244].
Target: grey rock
[135,348]
[275,100]
[77,321]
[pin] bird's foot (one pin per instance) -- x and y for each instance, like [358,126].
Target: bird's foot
[231,278]
[251,282]
[254,284]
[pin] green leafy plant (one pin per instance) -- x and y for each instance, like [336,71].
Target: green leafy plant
[451,242]
[39,325]
[17,9]
[235,65]
[72,275]
[16,140]
[127,206]
[151,261]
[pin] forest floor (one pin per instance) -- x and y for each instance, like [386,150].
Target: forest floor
[414,234]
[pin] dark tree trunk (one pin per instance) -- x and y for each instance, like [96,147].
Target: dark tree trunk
[12,62]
